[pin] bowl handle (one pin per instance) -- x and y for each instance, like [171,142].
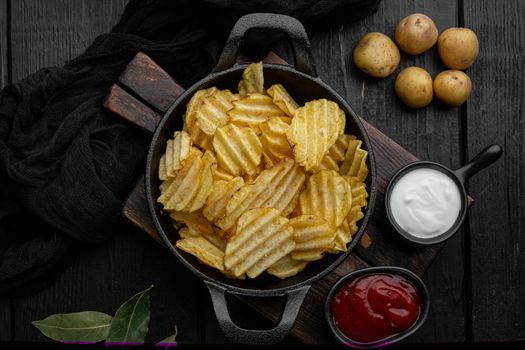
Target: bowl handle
[294,299]
[302,52]
[482,160]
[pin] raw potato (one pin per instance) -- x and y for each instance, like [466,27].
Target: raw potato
[414,87]
[416,34]
[452,87]
[458,47]
[376,55]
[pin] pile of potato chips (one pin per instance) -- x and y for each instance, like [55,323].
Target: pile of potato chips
[257,183]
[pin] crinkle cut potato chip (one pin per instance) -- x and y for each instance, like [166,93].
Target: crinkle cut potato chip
[192,184]
[313,236]
[253,110]
[314,129]
[252,80]
[238,150]
[283,100]
[198,137]
[274,141]
[256,182]
[206,252]
[262,237]
[327,195]
[221,193]
[286,267]
[274,188]
[212,113]
[354,164]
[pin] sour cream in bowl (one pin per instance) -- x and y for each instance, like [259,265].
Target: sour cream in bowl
[426,202]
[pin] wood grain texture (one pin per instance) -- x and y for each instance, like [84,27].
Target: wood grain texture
[5,319]
[50,32]
[150,82]
[432,133]
[4,51]
[5,309]
[495,114]
[130,108]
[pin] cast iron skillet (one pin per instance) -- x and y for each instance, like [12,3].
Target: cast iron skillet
[304,85]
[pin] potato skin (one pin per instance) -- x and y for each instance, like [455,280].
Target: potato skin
[458,48]
[414,87]
[376,55]
[453,87]
[416,34]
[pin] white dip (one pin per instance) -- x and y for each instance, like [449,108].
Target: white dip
[425,202]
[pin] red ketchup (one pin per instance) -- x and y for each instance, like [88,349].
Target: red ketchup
[375,306]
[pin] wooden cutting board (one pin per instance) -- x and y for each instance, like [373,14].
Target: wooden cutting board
[144,91]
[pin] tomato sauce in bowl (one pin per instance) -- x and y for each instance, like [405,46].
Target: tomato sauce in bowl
[376,306]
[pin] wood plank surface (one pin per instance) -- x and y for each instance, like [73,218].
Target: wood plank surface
[4,51]
[5,309]
[495,114]
[432,133]
[48,33]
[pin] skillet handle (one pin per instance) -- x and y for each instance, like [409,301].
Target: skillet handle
[482,160]
[303,59]
[234,333]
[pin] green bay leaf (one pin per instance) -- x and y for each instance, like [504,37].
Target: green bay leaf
[169,341]
[130,323]
[85,326]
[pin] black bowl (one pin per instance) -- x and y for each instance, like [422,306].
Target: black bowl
[423,299]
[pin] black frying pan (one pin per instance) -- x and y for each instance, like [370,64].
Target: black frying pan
[304,85]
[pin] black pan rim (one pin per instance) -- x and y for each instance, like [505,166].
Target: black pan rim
[251,291]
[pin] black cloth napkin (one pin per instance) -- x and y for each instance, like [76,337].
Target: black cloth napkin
[66,164]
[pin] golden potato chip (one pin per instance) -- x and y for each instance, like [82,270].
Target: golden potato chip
[165,185]
[313,236]
[195,221]
[343,236]
[354,164]
[212,113]
[262,237]
[238,149]
[309,254]
[209,163]
[341,121]
[195,101]
[274,188]
[191,186]
[177,150]
[327,195]
[221,174]
[311,232]
[282,99]
[335,155]
[314,129]
[163,174]
[221,193]
[274,141]
[286,267]
[184,186]
[252,80]
[359,193]
[198,137]
[253,110]
[201,248]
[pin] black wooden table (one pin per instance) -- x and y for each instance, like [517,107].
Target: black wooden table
[477,283]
